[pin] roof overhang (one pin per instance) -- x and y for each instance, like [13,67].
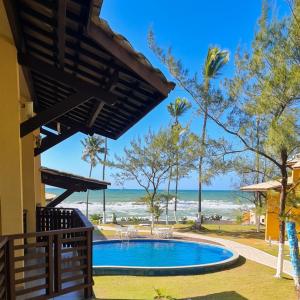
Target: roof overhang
[70,181]
[82,76]
[265,186]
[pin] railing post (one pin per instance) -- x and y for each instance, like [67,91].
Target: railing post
[88,292]
[11,295]
[57,263]
[50,278]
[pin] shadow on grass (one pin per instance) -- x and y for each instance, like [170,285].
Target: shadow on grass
[251,234]
[230,295]
[98,235]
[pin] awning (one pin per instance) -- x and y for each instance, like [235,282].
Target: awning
[82,76]
[265,186]
[70,182]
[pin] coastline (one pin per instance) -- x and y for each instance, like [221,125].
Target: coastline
[125,203]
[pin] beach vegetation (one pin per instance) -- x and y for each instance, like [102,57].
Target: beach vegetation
[104,163]
[265,87]
[96,218]
[93,146]
[147,162]
[204,93]
[176,109]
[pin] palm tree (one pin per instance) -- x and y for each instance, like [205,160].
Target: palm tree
[216,59]
[93,146]
[176,110]
[103,178]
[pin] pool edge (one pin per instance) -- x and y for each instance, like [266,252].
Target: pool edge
[168,271]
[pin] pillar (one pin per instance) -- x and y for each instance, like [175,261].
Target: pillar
[10,154]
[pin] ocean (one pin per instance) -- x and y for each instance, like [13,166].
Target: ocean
[125,203]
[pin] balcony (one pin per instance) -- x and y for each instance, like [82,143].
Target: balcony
[53,261]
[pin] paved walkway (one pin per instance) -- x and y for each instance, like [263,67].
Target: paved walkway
[248,252]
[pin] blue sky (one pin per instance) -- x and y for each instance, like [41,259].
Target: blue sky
[190,27]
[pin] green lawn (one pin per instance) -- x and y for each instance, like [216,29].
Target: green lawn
[247,281]
[244,234]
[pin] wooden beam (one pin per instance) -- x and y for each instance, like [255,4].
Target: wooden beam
[98,106]
[50,71]
[51,141]
[61,20]
[95,113]
[108,43]
[84,129]
[47,132]
[54,112]
[15,26]
[60,198]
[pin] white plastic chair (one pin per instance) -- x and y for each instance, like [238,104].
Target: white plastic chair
[132,231]
[122,232]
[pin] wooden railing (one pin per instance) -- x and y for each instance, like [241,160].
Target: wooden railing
[3,268]
[57,260]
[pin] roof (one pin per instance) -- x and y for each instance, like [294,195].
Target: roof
[295,161]
[265,186]
[296,165]
[70,181]
[49,196]
[71,57]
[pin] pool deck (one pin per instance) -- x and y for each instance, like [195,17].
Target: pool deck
[248,252]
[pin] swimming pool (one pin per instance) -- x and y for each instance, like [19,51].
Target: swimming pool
[158,257]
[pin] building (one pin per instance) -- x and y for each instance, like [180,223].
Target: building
[63,71]
[271,190]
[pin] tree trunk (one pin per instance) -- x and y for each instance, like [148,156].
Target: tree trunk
[257,163]
[87,194]
[283,192]
[168,197]
[176,191]
[200,169]
[103,178]
[152,211]
[152,223]
[259,211]
[294,253]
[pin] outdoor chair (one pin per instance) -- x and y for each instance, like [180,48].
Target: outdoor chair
[122,232]
[164,232]
[132,231]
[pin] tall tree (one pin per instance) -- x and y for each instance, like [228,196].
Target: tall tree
[202,92]
[147,161]
[176,109]
[266,86]
[104,162]
[93,147]
[215,61]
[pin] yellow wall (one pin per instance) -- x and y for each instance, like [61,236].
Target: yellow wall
[10,159]
[20,180]
[296,175]
[28,180]
[272,218]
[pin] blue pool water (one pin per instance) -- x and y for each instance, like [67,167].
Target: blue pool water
[156,253]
